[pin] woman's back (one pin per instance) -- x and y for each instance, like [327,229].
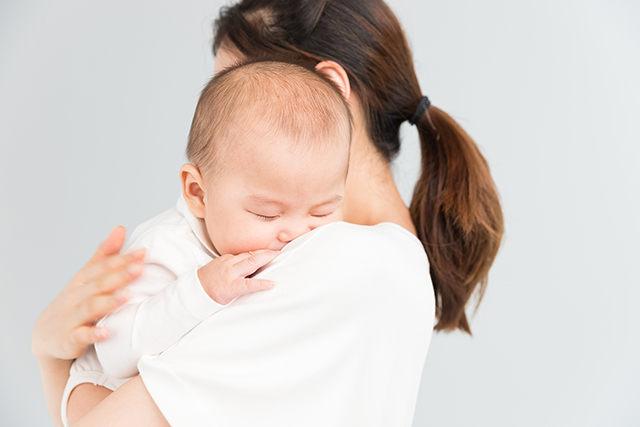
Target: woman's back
[340,340]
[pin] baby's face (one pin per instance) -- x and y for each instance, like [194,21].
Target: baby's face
[269,195]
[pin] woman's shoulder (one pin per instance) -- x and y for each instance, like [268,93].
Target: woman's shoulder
[354,259]
[387,242]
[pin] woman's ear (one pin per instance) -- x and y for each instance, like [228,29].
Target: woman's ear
[338,75]
[193,189]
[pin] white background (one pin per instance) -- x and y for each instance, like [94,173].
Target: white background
[96,100]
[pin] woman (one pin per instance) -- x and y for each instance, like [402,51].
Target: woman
[455,211]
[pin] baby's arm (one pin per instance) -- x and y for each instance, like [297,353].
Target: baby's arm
[166,302]
[162,308]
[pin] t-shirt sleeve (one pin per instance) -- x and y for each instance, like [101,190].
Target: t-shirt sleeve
[166,302]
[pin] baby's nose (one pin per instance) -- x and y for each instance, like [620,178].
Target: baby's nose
[293,231]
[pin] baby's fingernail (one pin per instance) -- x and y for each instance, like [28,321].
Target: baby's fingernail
[270,284]
[134,269]
[121,295]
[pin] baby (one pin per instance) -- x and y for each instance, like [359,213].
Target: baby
[268,152]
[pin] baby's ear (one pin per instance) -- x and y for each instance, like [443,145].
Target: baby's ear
[338,75]
[193,189]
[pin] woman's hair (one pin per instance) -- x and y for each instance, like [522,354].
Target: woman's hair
[455,206]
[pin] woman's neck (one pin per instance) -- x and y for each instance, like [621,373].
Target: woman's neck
[371,193]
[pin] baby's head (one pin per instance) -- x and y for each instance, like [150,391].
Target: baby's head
[268,151]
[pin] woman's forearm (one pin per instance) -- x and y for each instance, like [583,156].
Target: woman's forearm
[55,373]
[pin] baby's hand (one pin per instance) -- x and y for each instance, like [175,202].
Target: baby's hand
[225,278]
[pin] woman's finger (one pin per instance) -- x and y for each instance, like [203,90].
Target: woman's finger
[100,305]
[111,245]
[94,272]
[246,286]
[86,335]
[250,264]
[112,280]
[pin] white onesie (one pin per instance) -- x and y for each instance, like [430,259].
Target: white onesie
[166,302]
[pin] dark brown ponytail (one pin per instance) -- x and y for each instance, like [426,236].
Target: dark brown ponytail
[457,214]
[455,207]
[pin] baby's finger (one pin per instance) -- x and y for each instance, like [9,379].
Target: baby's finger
[250,264]
[247,286]
[245,255]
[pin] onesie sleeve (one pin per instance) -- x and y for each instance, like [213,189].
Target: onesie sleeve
[166,302]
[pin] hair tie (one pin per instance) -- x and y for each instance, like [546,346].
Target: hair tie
[423,105]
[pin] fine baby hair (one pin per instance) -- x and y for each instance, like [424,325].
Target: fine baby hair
[268,98]
[455,207]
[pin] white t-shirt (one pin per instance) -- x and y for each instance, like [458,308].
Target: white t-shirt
[340,341]
[166,302]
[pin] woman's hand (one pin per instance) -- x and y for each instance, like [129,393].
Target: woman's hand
[65,328]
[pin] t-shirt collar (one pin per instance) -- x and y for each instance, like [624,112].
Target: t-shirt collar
[197,225]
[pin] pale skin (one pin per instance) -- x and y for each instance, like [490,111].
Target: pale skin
[370,197]
[262,208]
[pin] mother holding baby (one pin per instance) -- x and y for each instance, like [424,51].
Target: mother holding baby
[343,337]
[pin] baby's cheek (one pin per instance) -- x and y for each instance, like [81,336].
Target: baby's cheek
[251,238]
